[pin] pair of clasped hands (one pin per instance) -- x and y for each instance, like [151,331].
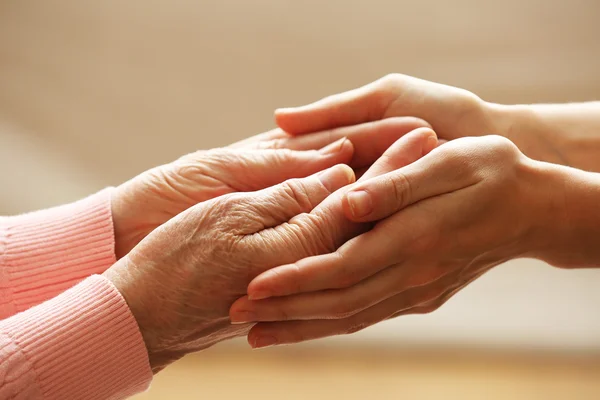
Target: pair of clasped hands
[382,201]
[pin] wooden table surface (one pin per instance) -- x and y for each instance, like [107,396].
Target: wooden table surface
[363,373]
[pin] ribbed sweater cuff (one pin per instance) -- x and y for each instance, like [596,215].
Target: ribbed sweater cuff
[82,344]
[46,252]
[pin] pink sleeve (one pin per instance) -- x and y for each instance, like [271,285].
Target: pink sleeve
[82,344]
[56,344]
[46,252]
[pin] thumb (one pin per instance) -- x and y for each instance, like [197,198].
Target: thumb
[365,104]
[358,203]
[403,152]
[279,204]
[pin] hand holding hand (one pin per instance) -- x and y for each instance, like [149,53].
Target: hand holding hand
[181,280]
[152,198]
[452,112]
[444,220]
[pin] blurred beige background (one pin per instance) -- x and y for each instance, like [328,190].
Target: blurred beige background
[92,93]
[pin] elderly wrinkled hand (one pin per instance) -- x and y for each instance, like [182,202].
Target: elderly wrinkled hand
[181,280]
[441,222]
[155,196]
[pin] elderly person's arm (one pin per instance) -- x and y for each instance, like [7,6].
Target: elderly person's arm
[46,252]
[83,343]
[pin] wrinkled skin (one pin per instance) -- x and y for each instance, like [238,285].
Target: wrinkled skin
[181,280]
[443,221]
[155,196]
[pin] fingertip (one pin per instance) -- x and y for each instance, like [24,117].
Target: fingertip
[284,118]
[430,144]
[309,118]
[421,140]
[347,209]
[347,149]
[259,338]
[357,205]
[342,149]
[259,289]
[348,172]
[275,282]
[237,311]
[337,177]
[428,139]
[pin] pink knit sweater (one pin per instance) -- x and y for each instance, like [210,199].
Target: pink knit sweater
[66,333]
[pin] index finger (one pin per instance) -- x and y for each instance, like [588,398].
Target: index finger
[356,106]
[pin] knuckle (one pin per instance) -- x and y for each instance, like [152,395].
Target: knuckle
[464,159]
[276,144]
[296,190]
[230,204]
[469,110]
[392,78]
[219,155]
[189,169]
[311,231]
[469,102]
[502,146]
[400,188]
[234,215]
[283,154]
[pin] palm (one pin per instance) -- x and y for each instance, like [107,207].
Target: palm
[452,112]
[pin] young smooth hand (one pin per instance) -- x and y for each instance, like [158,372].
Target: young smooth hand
[453,113]
[442,221]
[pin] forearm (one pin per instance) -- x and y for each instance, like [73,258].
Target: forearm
[84,343]
[568,134]
[46,252]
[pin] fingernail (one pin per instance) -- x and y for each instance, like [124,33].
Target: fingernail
[259,295]
[333,148]
[264,341]
[333,180]
[360,203]
[243,317]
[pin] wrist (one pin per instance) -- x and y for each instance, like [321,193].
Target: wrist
[123,209]
[525,127]
[141,284]
[119,224]
[569,225]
